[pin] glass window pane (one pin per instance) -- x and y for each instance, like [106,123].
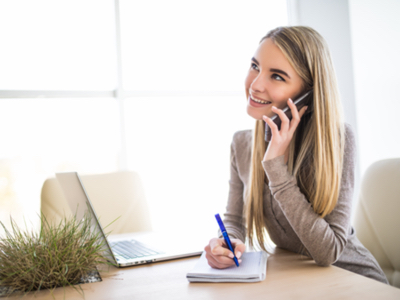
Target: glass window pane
[181,148]
[193,45]
[57,45]
[44,136]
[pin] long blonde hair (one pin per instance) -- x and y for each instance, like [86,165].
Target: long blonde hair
[317,147]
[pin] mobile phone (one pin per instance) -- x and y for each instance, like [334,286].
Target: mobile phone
[300,103]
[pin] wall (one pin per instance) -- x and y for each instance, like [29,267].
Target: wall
[375,31]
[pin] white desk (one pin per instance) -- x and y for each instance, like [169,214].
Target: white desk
[289,276]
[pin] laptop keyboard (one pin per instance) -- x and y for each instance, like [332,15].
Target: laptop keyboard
[132,249]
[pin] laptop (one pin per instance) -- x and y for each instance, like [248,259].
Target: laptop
[123,252]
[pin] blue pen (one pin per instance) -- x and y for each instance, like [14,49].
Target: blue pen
[226,237]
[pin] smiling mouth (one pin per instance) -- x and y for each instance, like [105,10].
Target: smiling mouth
[259,101]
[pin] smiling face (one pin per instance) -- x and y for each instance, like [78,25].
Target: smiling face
[271,81]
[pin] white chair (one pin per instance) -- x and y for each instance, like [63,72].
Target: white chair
[377,219]
[113,195]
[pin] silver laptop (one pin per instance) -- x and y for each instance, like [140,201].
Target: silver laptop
[124,252]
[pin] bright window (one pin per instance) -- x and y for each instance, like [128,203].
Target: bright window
[57,45]
[44,136]
[182,68]
[182,45]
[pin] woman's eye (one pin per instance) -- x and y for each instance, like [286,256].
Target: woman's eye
[277,77]
[254,66]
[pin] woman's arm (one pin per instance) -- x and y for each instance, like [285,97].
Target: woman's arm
[325,239]
[217,253]
[233,217]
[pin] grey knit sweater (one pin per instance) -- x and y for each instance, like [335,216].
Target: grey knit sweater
[290,220]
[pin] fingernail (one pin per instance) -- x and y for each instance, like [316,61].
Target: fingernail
[231,255]
[306,107]
[290,100]
[240,261]
[238,254]
[273,107]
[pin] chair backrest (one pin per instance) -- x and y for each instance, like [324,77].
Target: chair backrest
[377,219]
[113,195]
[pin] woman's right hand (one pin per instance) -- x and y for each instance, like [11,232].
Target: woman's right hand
[218,254]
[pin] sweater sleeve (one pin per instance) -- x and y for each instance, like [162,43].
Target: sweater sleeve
[324,238]
[233,217]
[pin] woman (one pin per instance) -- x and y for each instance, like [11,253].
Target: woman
[298,187]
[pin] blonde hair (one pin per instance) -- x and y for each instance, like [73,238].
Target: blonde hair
[317,147]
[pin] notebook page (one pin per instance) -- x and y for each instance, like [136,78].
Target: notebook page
[253,265]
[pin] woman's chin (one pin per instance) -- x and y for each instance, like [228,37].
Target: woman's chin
[255,114]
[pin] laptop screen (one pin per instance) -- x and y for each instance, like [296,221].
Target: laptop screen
[80,204]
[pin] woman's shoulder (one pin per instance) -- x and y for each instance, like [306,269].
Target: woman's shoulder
[241,150]
[349,155]
[349,131]
[242,138]
[241,145]
[350,140]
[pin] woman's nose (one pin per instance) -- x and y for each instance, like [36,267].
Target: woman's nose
[258,84]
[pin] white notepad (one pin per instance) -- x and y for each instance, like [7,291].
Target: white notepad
[253,268]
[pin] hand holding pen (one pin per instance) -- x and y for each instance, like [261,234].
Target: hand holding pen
[218,254]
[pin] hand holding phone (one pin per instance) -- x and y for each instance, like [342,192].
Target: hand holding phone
[300,103]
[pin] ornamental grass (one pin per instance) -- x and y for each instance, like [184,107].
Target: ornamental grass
[56,256]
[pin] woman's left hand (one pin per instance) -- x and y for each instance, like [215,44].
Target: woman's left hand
[279,144]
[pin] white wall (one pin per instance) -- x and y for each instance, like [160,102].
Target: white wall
[375,31]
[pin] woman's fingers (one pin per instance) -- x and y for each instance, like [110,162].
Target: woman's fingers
[281,138]
[272,125]
[217,248]
[284,119]
[218,256]
[296,115]
[219,262]
[239,247]
[303,111]
[286,124]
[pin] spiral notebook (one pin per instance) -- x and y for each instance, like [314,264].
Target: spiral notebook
[253,268]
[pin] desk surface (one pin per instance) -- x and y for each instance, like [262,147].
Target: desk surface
[289,276]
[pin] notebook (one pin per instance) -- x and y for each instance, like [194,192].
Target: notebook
[253,268]
[124,252]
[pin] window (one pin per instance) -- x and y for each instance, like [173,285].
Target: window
[156,87]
